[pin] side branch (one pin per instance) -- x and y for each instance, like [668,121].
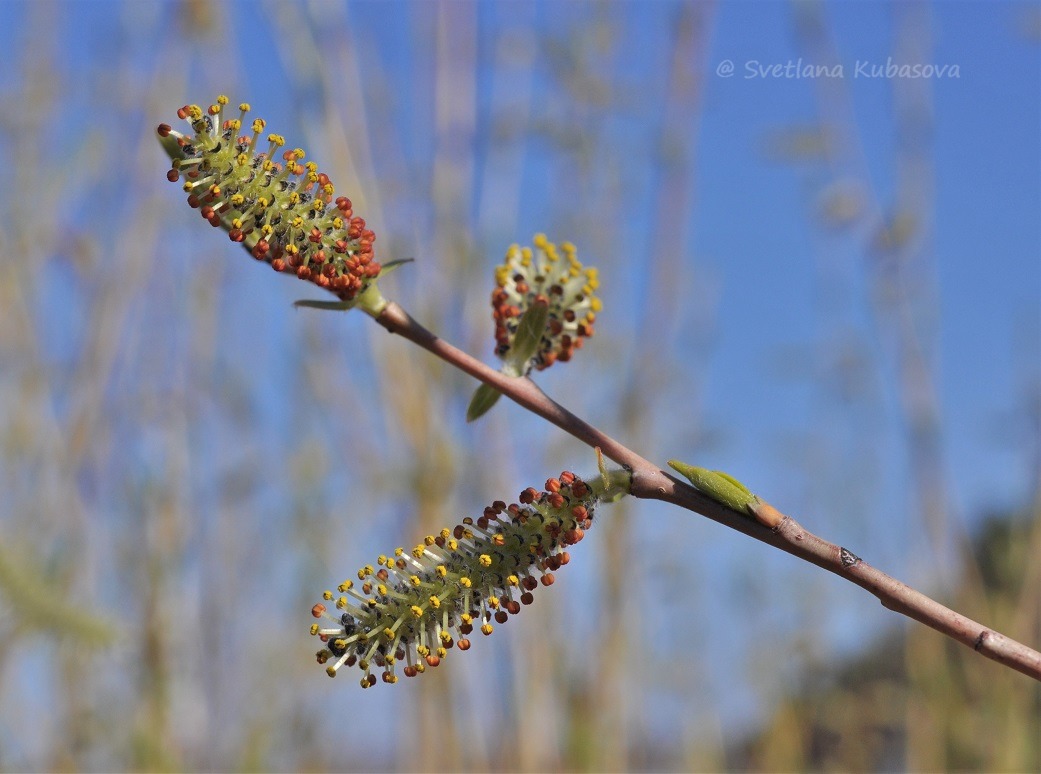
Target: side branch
[520,390]
[651,482]
[793,538]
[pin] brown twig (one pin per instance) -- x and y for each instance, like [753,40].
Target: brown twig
[770,526]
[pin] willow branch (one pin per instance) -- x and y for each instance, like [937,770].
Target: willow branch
[770,526]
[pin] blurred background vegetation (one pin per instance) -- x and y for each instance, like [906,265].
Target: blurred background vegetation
[187,461]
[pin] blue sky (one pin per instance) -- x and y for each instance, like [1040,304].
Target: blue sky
[984,136]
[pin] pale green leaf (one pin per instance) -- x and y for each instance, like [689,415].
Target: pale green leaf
[721,487]
[484,398]
[526,341]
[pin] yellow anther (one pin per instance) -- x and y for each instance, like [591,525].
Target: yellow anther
[258,125]
[314,629]
[341,602]
[441,570]
[493,602]
[222,100]
[414,580]
[417,611]
[435,603]
[487,629]
[485,560]
[327,595]
[513,580]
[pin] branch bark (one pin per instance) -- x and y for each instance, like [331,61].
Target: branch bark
[770,526]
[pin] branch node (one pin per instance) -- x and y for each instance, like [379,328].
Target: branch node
[848,558]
